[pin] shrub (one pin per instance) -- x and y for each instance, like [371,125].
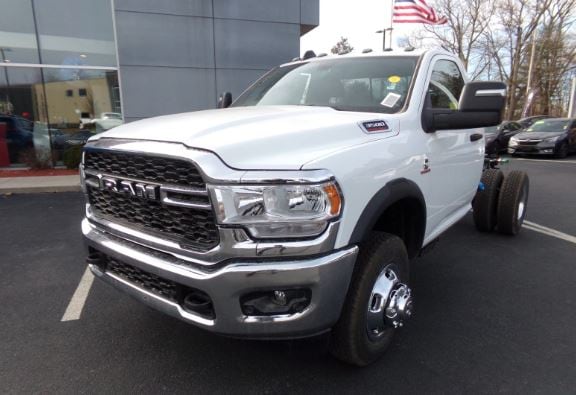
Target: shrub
[72,157]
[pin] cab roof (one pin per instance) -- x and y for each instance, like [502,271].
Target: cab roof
[363,54]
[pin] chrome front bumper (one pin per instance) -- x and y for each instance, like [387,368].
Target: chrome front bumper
[326,276]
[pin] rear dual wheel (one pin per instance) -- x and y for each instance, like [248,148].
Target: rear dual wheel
[486,201]
[512,202]
[501,202]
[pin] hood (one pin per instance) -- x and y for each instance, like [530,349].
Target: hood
[537,135]
[260,137]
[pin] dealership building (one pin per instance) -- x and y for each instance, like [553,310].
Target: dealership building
[72,68]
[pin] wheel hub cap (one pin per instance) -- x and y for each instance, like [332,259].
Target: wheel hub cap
[399,308]
[390,304]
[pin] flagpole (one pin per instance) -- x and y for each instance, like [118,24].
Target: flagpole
[391,21]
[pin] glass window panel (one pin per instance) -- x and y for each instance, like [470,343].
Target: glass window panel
[81,103]
[446,85]
[17,34]
[23,112]
[76,32]
[46,121]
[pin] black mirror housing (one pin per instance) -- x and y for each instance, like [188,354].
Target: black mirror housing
[481,105]
[225,100]
[480,96]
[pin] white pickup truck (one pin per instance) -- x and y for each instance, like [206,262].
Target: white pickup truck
[295,210]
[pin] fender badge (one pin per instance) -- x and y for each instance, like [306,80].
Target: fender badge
[375,126]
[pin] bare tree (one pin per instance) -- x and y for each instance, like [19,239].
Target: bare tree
[468,20]
[556,49]
[509,43]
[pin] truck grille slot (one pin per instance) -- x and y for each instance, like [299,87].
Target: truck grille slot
[193,228]
[150,282]
[192,300]
[144,167]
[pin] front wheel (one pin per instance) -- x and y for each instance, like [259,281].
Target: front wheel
[562,151]
[378,301]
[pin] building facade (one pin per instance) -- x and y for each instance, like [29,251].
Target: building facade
[72,68]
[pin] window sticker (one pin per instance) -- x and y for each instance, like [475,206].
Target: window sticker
[390,100]
[394,79]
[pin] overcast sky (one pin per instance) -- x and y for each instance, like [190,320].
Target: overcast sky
[357,20]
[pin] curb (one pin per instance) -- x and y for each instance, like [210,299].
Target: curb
[43,189]
[39,184]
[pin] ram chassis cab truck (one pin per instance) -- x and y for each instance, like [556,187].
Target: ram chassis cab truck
[296,210]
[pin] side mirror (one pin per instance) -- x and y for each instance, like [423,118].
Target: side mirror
[481,105]
[480,96]
[225,100]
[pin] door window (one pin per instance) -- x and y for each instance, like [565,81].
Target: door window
[446,85]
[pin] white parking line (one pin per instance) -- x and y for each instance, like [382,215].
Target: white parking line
[74,309]
[547,160]
[550,232]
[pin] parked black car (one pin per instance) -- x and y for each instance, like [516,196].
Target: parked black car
[497,137]
[525,123]
[554,136]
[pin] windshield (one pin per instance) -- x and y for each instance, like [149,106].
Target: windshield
[556,125]
[375,84]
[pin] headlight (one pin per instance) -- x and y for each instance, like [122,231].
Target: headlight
[278,211]
[513,142]
[551,139]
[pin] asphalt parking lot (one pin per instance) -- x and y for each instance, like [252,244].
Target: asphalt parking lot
[493,314]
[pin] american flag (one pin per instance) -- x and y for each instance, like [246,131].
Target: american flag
[415,11]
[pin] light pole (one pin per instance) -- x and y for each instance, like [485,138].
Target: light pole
[383,32]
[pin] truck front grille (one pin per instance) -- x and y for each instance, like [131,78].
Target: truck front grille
[144,167]
[192,228]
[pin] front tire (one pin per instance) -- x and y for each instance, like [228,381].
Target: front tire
[356,339]
[562,151]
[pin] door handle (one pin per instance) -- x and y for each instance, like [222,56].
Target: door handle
[475,136]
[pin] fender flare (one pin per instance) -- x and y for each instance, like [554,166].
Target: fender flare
[391,193]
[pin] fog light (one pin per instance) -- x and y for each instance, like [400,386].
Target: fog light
[276,302]
[280,298]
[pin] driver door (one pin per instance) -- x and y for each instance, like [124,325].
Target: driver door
[455,158]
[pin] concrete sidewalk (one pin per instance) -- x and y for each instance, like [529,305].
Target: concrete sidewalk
[40,184]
